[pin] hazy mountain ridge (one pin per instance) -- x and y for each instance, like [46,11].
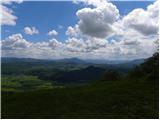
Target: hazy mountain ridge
[74,60]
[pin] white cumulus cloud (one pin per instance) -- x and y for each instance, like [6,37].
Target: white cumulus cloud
[7,16]
[31,30]
[143,21]
[97,21]
[73,31]
[52,33]
[15,41]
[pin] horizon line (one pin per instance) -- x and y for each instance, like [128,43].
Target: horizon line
[83,0]
[71,58]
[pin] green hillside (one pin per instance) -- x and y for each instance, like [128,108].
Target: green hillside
[111,99]
[135,95]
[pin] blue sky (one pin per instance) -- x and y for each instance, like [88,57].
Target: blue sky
[46,16]
[90,29]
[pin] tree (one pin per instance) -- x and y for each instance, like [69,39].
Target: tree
[111,75]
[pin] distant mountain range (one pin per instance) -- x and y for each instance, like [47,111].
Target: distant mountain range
[74,60]
[72,70]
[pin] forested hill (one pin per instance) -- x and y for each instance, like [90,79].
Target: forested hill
[71,60]
[21,65]
[148,70]
[135,96]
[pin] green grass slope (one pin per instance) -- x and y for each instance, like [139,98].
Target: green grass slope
[105,99]
[23,83]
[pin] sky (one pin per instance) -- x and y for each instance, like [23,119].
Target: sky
[90,29]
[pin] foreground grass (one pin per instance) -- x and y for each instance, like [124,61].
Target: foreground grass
[111,99]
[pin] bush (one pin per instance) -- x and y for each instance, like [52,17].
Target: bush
[112,75]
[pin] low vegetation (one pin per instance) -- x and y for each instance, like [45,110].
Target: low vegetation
[111,95]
